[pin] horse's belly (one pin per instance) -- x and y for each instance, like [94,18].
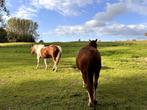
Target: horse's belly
[46,56]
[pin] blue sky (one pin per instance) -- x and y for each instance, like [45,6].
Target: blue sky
[70,20]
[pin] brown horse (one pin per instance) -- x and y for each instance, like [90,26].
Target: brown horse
[88,62]
[51,51]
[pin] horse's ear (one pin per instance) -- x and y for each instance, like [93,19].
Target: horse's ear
[96,40]
[31,45]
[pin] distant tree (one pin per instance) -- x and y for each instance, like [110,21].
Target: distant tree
[145,34]
[3,35]
[22,30]
[133,39]
[3,13]
[41,41]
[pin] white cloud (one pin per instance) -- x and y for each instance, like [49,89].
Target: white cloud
[102,18]
[25,12]
[64,7]
[103,24]
[74,8]
[137,6]
[122,30]
[113,29]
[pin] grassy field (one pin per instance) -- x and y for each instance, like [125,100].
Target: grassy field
[122,83]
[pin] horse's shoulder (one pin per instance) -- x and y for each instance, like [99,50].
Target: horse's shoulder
[84,48]
[51,45]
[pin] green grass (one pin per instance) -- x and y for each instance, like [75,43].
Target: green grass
[122,82]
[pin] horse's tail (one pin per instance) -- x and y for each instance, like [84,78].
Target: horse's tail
[90,84]
[59,54]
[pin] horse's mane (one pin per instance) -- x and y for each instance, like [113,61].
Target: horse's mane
[38,47]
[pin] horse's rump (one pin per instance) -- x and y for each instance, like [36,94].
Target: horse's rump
[88,57]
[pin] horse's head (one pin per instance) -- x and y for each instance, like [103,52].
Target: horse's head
[93,43]
[33,49]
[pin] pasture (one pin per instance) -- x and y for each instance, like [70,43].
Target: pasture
[122,82]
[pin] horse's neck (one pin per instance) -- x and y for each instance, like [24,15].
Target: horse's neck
[91,46]
[87,46]
[38,51]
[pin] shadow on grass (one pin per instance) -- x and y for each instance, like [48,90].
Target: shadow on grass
[106,67]
[31,95]
[73,66]
[68,94]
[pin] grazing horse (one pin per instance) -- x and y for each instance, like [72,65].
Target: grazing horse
[51,51]
[88,61]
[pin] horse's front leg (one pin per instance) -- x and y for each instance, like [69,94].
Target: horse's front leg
[45,62]
[37,62]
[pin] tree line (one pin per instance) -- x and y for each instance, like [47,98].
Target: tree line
[21,30]
[16,29]
[3,12]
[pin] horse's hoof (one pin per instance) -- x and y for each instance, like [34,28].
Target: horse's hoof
[54,69]
[95,102]
[84,86]
[90,104]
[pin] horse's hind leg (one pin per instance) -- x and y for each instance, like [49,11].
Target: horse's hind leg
[54,66]
[84,80]
[90,95]
[88,84]
[90,90]
[96,76]
[56,61]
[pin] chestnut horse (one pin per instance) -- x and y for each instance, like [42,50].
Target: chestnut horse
[88,61]
[51,51]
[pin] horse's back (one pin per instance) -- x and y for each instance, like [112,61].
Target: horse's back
[44,53]
[88,58]
[49,51]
